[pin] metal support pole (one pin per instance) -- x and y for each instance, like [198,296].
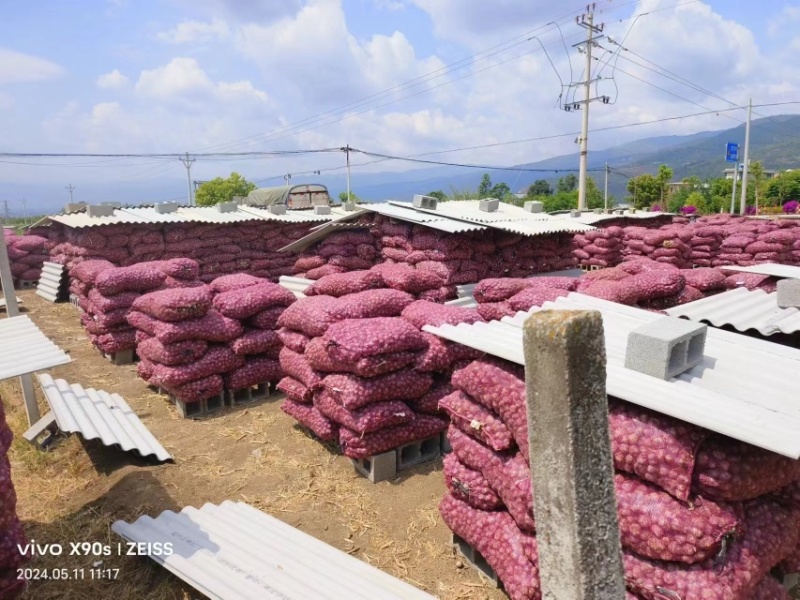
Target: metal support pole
[187,162]
[733,194]
[12,310]
[572,473]
[585,125]
[347,152]
[606,192]
[743,201]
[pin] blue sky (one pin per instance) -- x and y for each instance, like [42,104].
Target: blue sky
[137,76]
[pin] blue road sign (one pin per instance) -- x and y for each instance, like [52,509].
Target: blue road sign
[732,152]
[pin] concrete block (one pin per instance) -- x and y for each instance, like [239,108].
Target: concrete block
[534,206]
[476,559]
[598,211]
[277,209]
[789,293]
[100,210]
[574,213]
[489,205]
[322,210]
[164,208]
[381,467]
[124,357]
[214,404]
[427,202]
[187,410]
[227,207]
[42,433]
[415,453]
[26,284]
[349,206]
[73,299]
[74,207]
[248,395]
[666,348]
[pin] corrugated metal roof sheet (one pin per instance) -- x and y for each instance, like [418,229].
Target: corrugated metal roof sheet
[745,387]
[742,309]
[321,232]
[296,285]
[771,269]
[236,552]
[464,302]
[3,302]
[437,221]
[590,218]
[52,282]
[25,349]
[96,414]
[192,214]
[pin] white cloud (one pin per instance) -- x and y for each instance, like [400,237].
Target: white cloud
[196,31]
[16,67]
[112,80]
[179,76]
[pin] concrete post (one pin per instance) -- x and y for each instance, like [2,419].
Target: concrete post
[580,555]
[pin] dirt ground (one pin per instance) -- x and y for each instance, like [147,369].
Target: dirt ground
[75,491]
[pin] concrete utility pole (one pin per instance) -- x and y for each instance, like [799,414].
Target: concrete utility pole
[70,188]
[347,153]
[587,22]
[7,214]
[606,192]
[733,193]
[743,201]
[572,473]
[24,211]
[187,162]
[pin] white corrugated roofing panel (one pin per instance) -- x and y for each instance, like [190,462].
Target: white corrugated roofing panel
[745,387]
[428,219]
[468,210]
[51,281]
[319,233]
[236,552]
[3,302]
[743,310]
[771,269]
[25,349]
[96,414]
[541,227]
[590,218]
[193,214]
[296,285]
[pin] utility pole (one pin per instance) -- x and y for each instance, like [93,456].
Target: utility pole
[592,35]
[347,153]
[187,162]
[8,216]
[743,200]
[70,189]
[288,178]
[606,192]
[24,211]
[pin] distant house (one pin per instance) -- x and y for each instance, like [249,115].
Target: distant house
[767,174]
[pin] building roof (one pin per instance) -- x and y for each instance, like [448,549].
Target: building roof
[771,269]
[745,387]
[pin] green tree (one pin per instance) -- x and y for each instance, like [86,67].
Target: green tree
[645,190]
[485,187]
[693,182]
[500,191]
[721,187]
[783,188]
[438,194]
[353,197]
[664,177]
[223,190]
[568,183]
[757,174]
[540,187]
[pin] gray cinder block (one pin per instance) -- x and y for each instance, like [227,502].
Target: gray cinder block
[226,207]
[277,209]
[349,206]
[100,210]
[163,208]
[666,348]
[424,202]
[489,205]
[534,206]
[574,213]
[322,210]
[789,293]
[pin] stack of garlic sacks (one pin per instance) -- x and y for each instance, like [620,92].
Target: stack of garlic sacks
[359,370]
[701,515]
[197,342]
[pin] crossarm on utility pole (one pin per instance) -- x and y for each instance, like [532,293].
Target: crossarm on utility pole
[580,555]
